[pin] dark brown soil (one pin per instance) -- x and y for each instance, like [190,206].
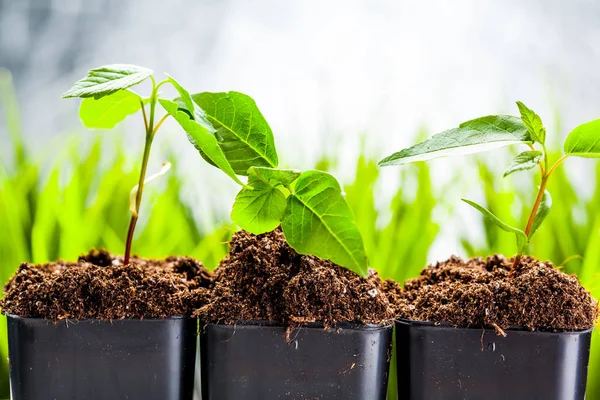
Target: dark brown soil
[485,292]
[263,278]
[99,286]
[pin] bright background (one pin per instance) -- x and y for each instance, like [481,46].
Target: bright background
[338,81]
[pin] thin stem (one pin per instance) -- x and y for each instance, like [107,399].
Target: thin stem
[150,131]
[536,205]
[159,123]
[161,83]
[545,157]
[138,198]
[130,231]
[556,164]
[538,199]
[540,195]
[540,163]
[144,114]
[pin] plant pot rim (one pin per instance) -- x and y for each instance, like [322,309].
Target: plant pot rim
[522,330]
[310,325]
[94,320]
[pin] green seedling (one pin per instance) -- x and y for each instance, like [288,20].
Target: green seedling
[496,131]
[309,205]
[230,133]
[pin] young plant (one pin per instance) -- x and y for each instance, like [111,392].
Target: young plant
[231,134]
[496,131]
[106,102]
[309,205]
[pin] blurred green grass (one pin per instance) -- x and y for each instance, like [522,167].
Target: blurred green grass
[61,205]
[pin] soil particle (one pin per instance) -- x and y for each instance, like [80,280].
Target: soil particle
[485,292]
[99,286]
[263,278]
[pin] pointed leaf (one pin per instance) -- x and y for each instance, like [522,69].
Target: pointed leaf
[542,212]
[200,138]
[186,98]
[533,122]
[186,104]
[584,141]
[108,111]
[258,207]
[273,176]
[519,234]
[473,136]
[108,79]
[524,161]
[318,221]
[243,133]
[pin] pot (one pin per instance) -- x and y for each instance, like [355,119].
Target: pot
[443,362]
[253,360]
[98,359]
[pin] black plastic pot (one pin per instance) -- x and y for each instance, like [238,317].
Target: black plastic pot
[253,360]
[95,359]
[443,362]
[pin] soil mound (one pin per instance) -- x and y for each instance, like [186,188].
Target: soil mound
[263,278]
[99,286]
[485,292]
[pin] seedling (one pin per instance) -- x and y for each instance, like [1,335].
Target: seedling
[231,134]
[496,131]
[106,102]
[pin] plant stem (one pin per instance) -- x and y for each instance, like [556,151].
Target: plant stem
[545,157]
[538,202]
[150,131]
[159,123]
[541,163]
[536,205]
[138,198]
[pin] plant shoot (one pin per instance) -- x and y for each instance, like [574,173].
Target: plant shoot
[494,131]
[230,133]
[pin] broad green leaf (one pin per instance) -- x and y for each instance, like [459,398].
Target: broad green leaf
[202,140]
[108,79]
[584,141]
[542,212]
[318,221]
[108,111]
[258,207]
[243,133]
[273,176]
[473,136]
[524,161]
[533,122]
[519,234]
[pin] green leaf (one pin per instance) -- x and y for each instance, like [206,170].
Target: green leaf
[186,99]
[533,122]
[186,104]
[243,133]
[524,161]
[318,221]
[108,111]
[519,234]
[202,140]
[258,207]
[273,176]
[107,80]
[584,141]
[473,136]
[542,212]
